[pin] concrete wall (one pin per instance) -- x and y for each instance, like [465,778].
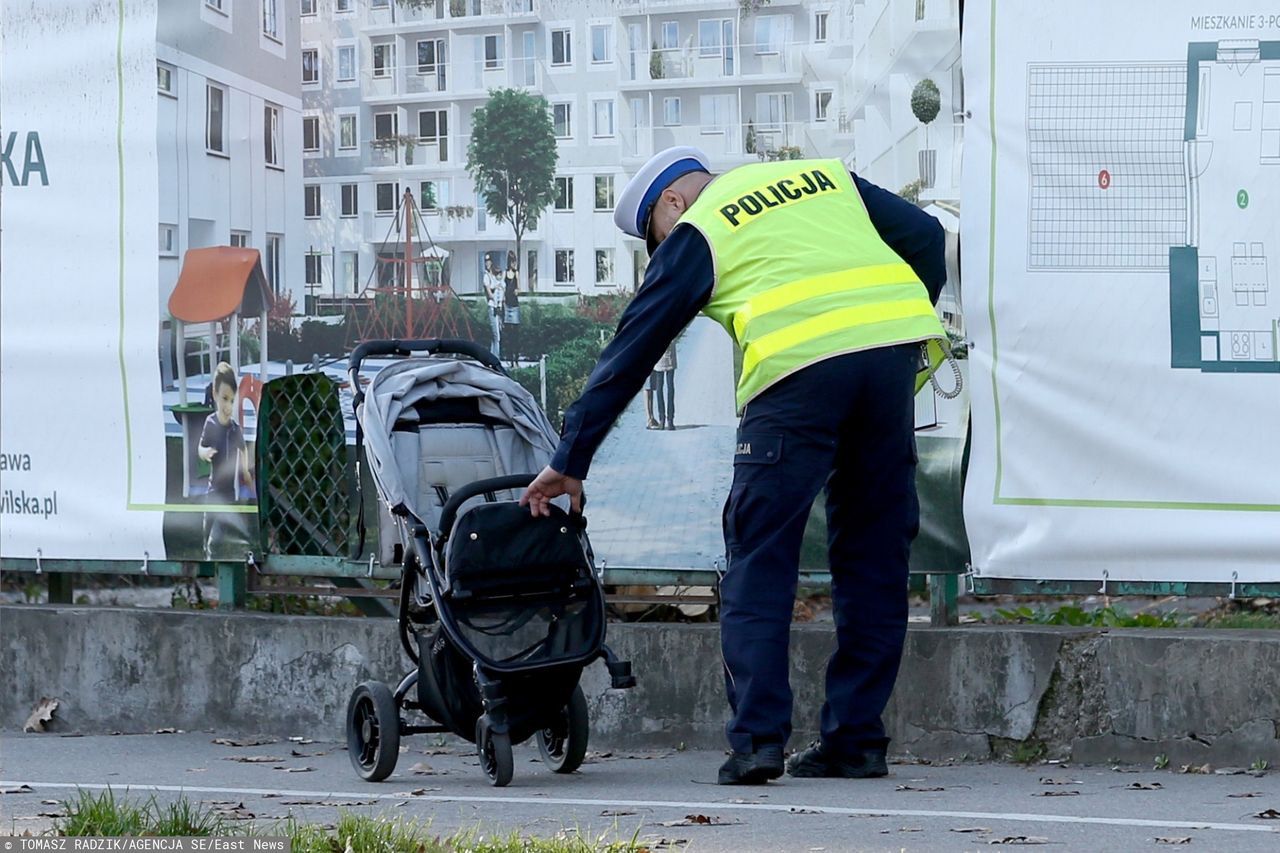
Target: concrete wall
[1195,696]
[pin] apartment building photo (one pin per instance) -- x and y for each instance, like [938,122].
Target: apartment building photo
[622,78]
[228,139]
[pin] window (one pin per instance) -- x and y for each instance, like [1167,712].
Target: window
[671,111]
[772,109]
[350,272]
[600,38]
[315,263]
[716,110]
[387,195]
[310,65]
[348,137]
[562,120]
[343,5]
[819,27]
[482,213]
[346,63]
[310,133]
[821,105]
[604,192]
[431,55]
[214,4]
[274,278]
[710,43]
[772,33]
[435,196]
[492,52]
[168,240]
[271,134]
[270,24]
[603,118]
[564,193]
[670,35]
[240,239]
[384,59]
[350,200]
[385,125]
[308,7]
[562,47]
[164,79]
[564,266]
[433,129]
[215,125]
[379,4]
[311,201]
[604,266]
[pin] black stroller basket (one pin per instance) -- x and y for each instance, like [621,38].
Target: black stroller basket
[499,610]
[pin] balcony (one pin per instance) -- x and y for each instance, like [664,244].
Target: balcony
[726,144]
[629,8]
[385,155]
[446,80]
[891,36]
[395,17]
[693,66]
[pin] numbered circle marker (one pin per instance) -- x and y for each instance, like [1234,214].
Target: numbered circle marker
[1242,199]
[1104,179]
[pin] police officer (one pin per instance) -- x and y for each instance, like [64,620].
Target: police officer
[826,283]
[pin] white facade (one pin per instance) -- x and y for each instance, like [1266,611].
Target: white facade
[623,79]
[228,102]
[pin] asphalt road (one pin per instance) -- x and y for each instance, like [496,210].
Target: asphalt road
[664,796]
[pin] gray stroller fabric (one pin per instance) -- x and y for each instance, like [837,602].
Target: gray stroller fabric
[418,467]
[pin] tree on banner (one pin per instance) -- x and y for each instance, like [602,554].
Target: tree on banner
[512,159]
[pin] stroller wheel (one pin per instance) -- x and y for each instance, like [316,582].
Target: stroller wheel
[495,754]
[563,744]
[373,731]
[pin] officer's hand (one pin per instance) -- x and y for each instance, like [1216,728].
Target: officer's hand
[551,484]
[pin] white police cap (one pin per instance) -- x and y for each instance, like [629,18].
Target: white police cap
[636,202]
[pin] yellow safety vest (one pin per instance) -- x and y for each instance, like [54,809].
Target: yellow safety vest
[801,274]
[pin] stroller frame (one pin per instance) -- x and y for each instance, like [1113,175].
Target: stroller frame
[375,722]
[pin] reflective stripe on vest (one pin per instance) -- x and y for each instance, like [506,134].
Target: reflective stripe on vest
[801,273]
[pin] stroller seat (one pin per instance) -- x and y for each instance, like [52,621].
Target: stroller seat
[500,549]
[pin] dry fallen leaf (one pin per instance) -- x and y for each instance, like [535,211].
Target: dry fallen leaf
[701,820]
[919,790]
[1182,839]
[1143,786]
[296,754]
[1245,796]
[422,769]
[255,759]
[1202,769]
[41,714]
[1230,771]
[1045,780]
[1268,814]
[1020,839]
[970,829]
[615,813]
[49,802]
[328,803]
[251,741]
[798,810]
[1057,794]
[197,769]
[167,731]
[301,740]
[294,769]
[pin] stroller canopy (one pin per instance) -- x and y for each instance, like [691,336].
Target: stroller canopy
[417,457]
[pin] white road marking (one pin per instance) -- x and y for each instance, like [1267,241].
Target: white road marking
[1016,817]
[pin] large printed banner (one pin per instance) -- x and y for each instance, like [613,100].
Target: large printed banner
[82,457]
[1123,266]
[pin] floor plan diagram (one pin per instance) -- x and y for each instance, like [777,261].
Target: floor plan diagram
[1224,304]
[1146,167]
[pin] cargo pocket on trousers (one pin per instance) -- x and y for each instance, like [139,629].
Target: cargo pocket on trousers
[757,448]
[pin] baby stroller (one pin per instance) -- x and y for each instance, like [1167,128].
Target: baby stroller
[499,611]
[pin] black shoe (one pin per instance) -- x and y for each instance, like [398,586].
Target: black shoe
[752,768]
[819,762]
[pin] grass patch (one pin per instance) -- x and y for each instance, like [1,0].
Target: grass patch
[1078,617]
[104,814]
[1242,620]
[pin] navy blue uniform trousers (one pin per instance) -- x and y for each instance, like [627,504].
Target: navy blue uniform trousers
[847,424]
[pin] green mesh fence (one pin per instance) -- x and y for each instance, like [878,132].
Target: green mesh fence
[304,476]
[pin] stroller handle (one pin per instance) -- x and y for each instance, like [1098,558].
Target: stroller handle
[494,484]
[404,348]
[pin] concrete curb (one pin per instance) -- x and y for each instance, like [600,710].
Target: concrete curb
[974,692]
